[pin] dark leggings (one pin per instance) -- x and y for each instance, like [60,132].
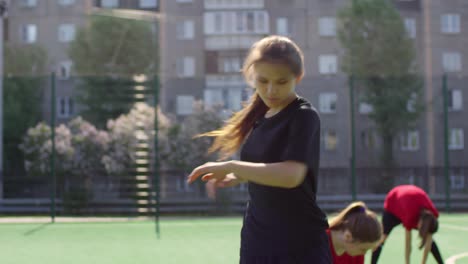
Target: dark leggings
[389,221]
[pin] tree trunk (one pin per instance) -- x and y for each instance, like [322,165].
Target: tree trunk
[385,180]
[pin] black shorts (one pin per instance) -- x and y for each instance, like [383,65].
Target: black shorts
[389,221]
[318,255]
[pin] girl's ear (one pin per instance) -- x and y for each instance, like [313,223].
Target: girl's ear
[299,78]
[348,237]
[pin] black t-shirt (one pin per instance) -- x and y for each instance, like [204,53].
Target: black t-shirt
[282,221]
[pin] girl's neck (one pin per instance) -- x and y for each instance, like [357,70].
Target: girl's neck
[337,241]
[273,111]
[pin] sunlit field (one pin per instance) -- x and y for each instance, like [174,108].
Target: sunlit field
[182,240]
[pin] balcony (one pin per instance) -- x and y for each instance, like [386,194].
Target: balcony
[233,4]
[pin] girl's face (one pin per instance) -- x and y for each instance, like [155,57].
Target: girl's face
[275,84]
[356,248]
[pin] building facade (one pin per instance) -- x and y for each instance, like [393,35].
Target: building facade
[204,43]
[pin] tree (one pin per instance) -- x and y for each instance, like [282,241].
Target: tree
[23,91]
[380,55]
[184,150]
[106,55]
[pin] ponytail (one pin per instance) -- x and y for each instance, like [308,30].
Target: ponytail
[230,137]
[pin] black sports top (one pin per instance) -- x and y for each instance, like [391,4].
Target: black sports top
[282,221]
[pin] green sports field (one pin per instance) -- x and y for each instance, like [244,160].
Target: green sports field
[183,240]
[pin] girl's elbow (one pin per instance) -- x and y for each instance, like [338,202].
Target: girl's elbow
[295,181]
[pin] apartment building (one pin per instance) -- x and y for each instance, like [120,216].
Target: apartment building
[54,24]
[204,43]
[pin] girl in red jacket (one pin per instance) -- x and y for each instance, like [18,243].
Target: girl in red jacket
[352,233]
[412,207]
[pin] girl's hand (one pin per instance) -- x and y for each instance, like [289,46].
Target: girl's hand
[230,181]
[210,171]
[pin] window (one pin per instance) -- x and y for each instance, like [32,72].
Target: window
[66,2]
[29,33]
[327,102]
[457,182]
[450,23]
[184,1]
[28,3]
[331,140]
[148,3]
[327,64]
[64,70]
[369,139]
[229,64]
[66,33]
[185,29]
[327,26]
[230,99]
[282,26]
[365,108]
[184,104]
[235,22]
[65,107]
[185,67]
[109,3]
[456,139]
[409,141]
[455,98]
[411,104]
[261,24]
[451,62]
[410,25]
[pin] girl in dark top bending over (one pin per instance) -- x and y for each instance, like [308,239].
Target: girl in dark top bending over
[280,137]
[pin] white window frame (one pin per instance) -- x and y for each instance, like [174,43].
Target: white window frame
[148,3]
[327,26]
[327,143]
[236,22]
[230,64]
[328,64]
[410,105]
[185,67]
[456,134]
[455,98]
[457,182]
[184,104]
[66,2]
[450,23]
[185,29]
[67,109]
[28,3]
[410,26]
[110,3]
[29,33]
[452,61]
[66,32]
[227,98]
[282,26]
[328,103]
[409,141]
[365,108]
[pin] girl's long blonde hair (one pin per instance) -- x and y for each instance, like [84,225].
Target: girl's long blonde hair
[272,49]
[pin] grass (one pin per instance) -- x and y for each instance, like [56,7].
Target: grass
[196,241]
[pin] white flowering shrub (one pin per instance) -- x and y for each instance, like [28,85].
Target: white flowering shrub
[131,132]
[183,150]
